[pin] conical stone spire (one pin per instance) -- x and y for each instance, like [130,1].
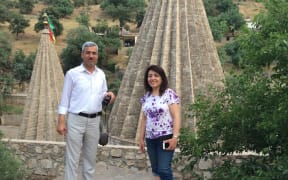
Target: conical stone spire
[176,35]
[40,111]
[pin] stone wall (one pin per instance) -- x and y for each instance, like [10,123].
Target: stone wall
[44,158]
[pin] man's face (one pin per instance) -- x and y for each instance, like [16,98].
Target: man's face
[90,57]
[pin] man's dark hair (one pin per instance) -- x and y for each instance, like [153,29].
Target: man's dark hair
[161,72]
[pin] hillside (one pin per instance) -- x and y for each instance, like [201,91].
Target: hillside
[29,41]
[250,8]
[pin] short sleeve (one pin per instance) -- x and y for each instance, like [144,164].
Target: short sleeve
[143,99]
[170,97]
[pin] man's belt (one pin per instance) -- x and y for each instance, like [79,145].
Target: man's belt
[90,115]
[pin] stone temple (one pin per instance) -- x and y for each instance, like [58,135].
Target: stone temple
[40,111]
[174,34]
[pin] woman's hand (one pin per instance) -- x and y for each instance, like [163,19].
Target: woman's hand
[142,146]
[172,143]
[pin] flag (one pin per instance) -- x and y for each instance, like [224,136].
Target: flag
[51,30]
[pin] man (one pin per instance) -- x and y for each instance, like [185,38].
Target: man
[84,89]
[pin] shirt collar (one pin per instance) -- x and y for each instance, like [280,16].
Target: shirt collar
[83,69]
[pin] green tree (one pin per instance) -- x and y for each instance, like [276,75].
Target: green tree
[59,8]
[63,7]
[79,3]
[233,18]
[218,27]
[23,66]
[250,113]
[6,86]
[232,49]
[6,78]
[119,12]
[101,26]
[5,51]
[216,7]
[223,16]
[83,19]
[123,10]
[26,6]
[17,24]
[58,27]
[4,13]
[71,55]
[140,16]
[48,2]
[5,5]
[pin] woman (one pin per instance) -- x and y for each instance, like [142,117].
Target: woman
[160,123]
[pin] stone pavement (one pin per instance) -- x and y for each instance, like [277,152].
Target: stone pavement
[104,172]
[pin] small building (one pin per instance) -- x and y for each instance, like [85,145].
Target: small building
[128,38]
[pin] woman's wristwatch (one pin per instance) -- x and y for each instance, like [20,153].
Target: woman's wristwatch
[175,136]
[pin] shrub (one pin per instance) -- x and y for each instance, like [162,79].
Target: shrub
[10,166]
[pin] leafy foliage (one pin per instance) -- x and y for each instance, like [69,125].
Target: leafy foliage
[253,168]
[222,54]
[13,168]
[124,10]
[59,8]
[26,6]
[83,19]
[4,13]
[232,49]
[63,8]
[218,27]
[6,78]
[71,55]
[222,15]
[23,66]
[5,51]
[58,27]
[250,113]
[17,24]
[6,86]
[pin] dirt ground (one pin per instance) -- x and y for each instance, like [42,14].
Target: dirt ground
[250,9]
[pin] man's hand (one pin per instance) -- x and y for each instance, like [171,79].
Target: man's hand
[111,94]
[61,127]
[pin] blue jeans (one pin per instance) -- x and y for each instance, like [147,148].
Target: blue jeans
[160,159]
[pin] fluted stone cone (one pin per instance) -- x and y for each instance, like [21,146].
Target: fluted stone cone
[40,111]
[176,35]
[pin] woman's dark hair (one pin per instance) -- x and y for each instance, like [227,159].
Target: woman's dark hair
[161,72]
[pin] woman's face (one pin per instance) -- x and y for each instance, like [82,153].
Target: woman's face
[154,79]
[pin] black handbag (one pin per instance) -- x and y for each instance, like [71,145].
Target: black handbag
[103,140]
[104,135]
